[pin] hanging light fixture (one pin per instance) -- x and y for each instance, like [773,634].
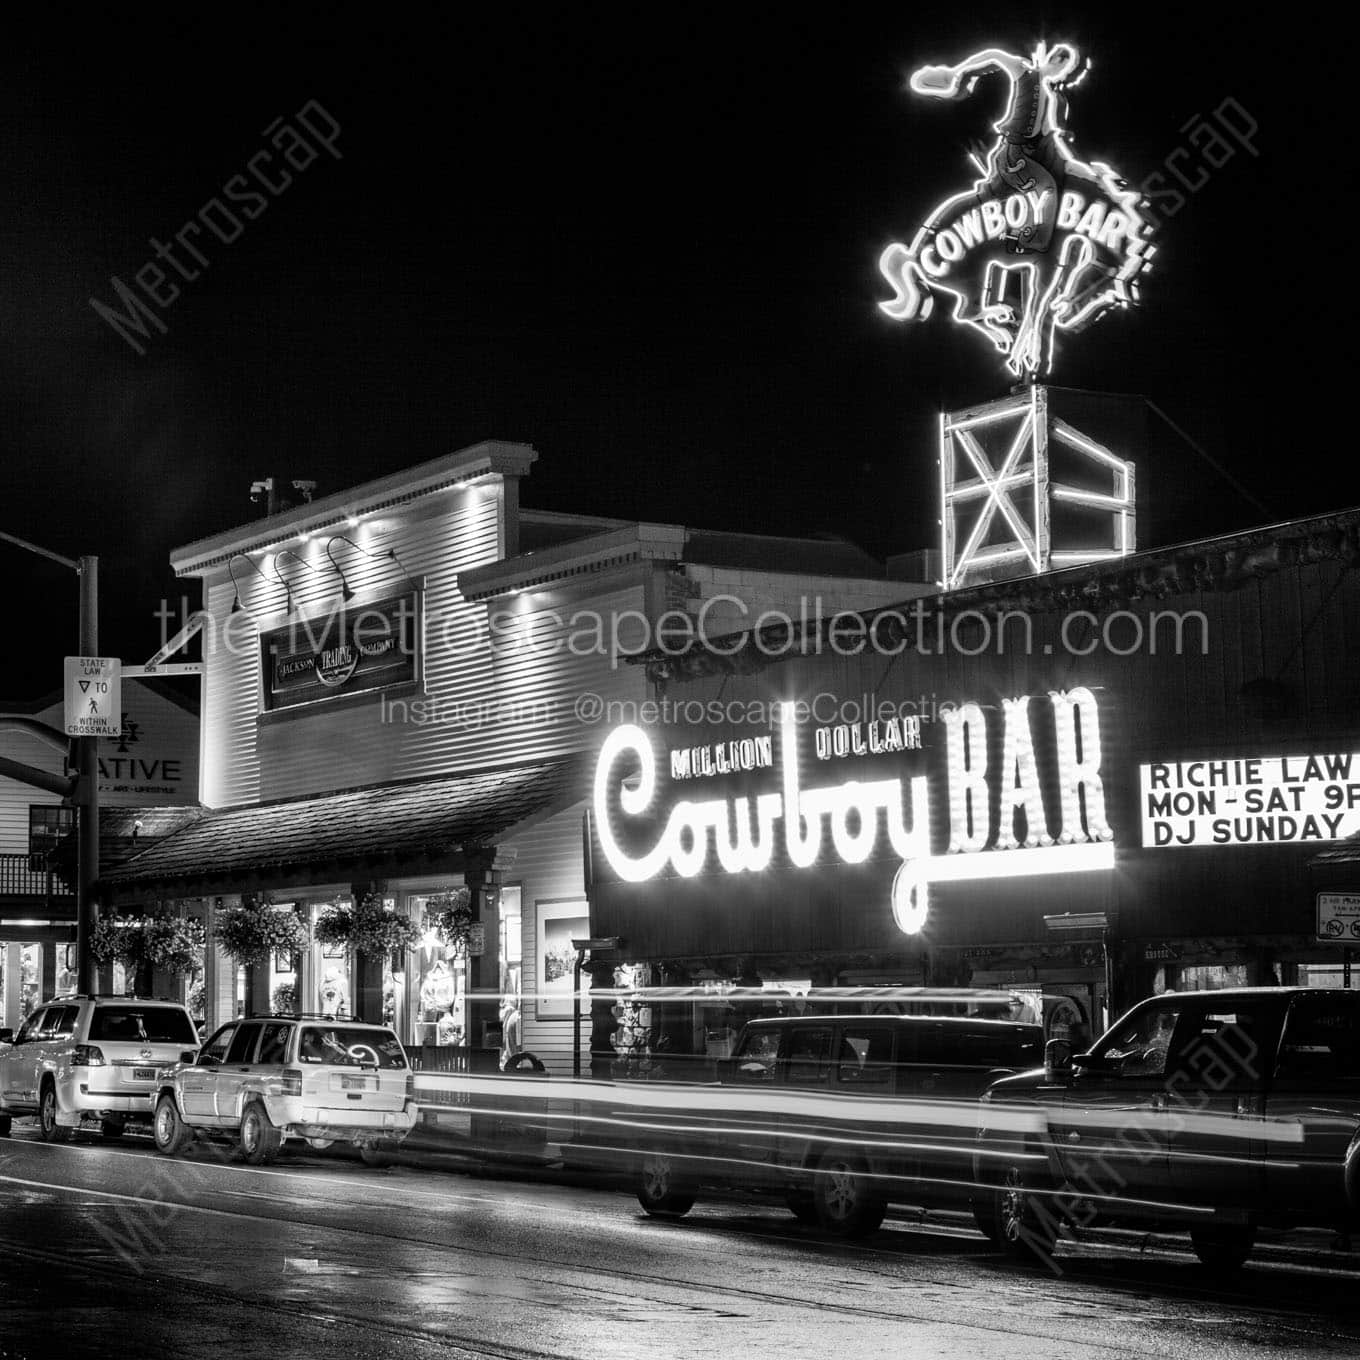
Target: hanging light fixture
[288,589]
[346,590]
[235,585]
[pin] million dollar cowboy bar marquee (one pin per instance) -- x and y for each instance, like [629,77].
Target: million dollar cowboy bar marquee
[1130,775]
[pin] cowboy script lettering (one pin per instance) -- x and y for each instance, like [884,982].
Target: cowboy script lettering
[992,808]
[1042,241]
[341,653]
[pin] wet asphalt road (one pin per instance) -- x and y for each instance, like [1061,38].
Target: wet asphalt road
[111,1250]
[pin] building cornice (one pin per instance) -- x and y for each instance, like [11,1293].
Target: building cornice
[581,557]
[491,458]
[1210,565]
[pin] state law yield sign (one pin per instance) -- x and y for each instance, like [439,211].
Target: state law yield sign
[94,699]
[1042,241]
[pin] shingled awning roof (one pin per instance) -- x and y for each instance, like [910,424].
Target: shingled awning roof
[1343,854]
[423,826]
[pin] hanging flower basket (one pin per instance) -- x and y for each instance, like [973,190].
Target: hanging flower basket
[334,925]
[172,943]
[368,928]
[248,932]
[449,916]
[117,939]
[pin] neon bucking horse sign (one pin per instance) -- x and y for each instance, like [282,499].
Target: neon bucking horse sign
[1043,241]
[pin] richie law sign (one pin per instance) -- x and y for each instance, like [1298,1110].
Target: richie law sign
[1259,801]
[997,821]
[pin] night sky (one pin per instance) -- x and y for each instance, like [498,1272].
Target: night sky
[644,242]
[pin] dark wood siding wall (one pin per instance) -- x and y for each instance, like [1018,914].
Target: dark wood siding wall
[1270,668]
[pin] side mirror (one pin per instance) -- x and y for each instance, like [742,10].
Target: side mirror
[1057,1059]
[1093,1062]
[6,1036]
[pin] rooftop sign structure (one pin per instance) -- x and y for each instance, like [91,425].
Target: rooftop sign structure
[1042,241]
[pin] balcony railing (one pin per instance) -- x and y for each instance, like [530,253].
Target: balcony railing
[19,879]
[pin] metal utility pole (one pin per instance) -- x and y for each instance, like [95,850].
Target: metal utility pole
[87,771]
[86,789]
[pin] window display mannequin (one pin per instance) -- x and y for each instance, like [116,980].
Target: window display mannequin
[438,990]
[448,1031]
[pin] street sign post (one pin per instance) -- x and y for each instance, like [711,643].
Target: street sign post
[136,670]
[94,701]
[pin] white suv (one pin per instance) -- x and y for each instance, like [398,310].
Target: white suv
[268,1078]
[95,1059]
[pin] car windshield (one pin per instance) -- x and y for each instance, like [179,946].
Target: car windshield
[344,1046]
[142,1025]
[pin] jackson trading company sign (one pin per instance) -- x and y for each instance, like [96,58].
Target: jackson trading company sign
[1041,241]
[1271,800]
[348,651]
[997,820]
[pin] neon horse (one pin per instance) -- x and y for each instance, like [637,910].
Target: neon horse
[1042,241]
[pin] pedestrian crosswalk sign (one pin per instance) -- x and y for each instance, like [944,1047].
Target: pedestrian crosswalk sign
[94,701]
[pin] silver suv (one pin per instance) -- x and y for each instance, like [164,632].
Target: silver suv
[268,1078]
[91,1059]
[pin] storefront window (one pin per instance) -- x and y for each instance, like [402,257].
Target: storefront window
[511,974]
[1321,975]
[32,978]
[436,997]
[1209,977]
[66,969]
[333,973]
[282,984]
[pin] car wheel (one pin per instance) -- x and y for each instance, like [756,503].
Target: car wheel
[4,1125]
[1223,1248]
[171,1134]
[660,1189]
[802,1206]
[984,1215]
[848,1204]
[375,1156]
[1023,1224]
[51,1131]
[111,1130]
[260,1140]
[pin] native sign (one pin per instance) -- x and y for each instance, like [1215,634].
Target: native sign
[1042,241]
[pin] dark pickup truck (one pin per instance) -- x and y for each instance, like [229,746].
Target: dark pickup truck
[837,1115]
[1219,1112]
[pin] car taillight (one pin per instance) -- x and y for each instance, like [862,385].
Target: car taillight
[290,1083]
[87,1055]
[410,1085]
[187,1056]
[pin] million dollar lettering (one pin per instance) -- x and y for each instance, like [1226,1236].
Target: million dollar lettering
[857,816]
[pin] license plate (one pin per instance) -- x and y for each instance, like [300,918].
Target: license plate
[143,1074]
[354,1083]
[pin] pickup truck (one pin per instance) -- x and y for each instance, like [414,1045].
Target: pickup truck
[1217,1112]
[837,1115]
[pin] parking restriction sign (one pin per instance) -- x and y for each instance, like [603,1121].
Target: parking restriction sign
[94,700]
[1338,917]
